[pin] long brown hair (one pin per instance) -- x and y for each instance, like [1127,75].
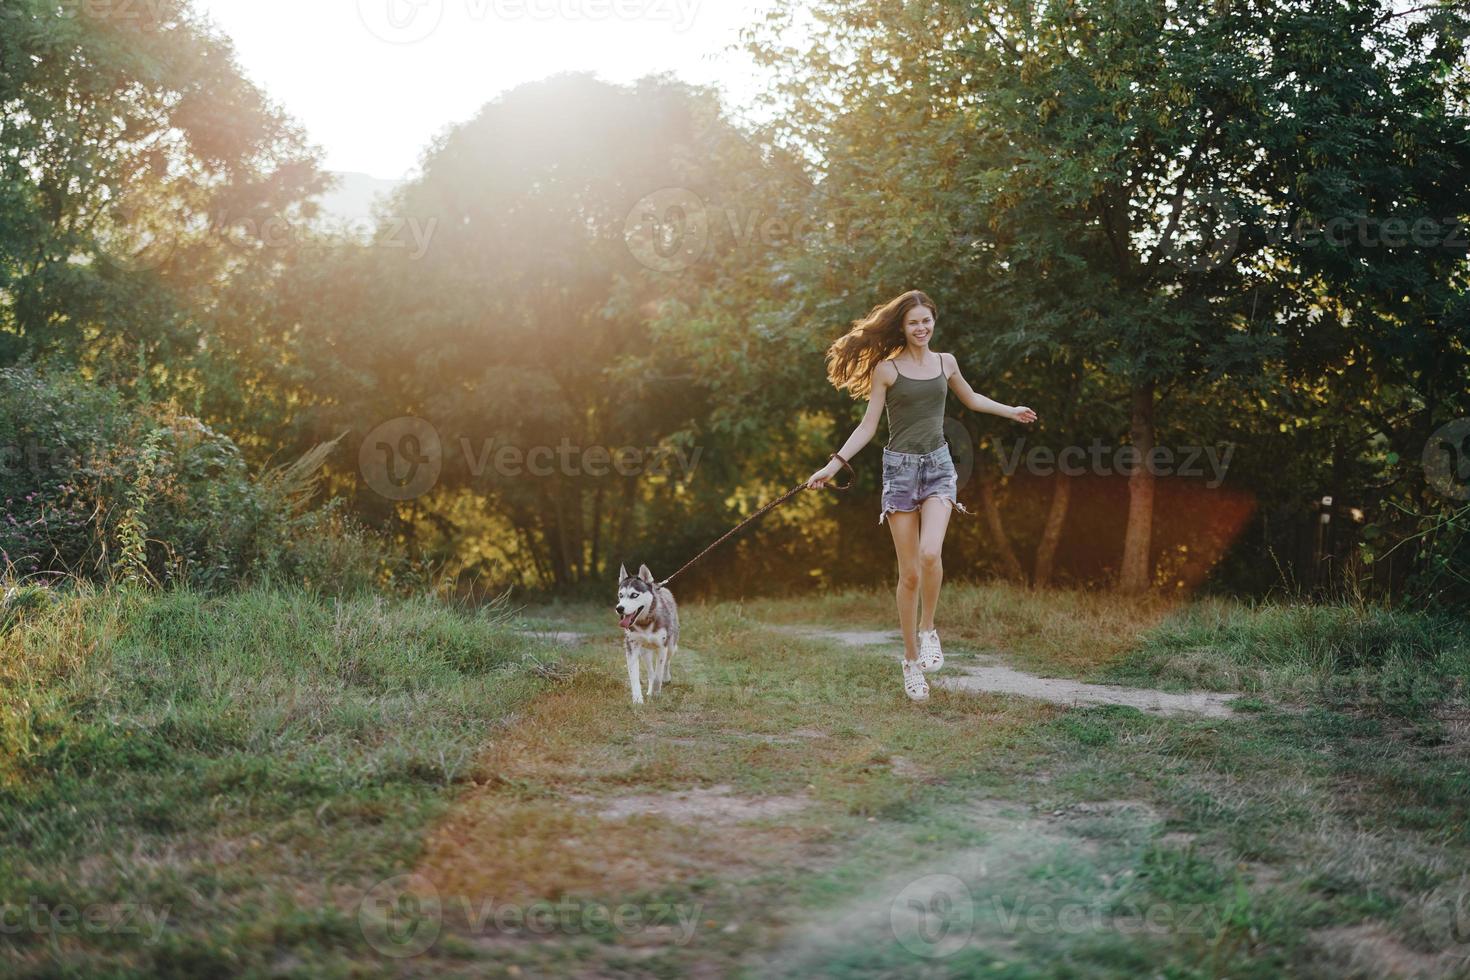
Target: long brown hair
[876,337]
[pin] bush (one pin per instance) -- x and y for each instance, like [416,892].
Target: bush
[102,489]
[1441,578]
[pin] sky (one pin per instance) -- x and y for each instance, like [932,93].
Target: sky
[373,81]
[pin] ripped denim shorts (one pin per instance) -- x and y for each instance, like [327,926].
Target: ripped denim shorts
[909,478]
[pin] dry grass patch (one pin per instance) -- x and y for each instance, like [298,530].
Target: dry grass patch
[590,796]
[1370,951]
[1062,631]
[551,818]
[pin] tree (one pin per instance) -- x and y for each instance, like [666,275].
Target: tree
[523,321]
[1114,176]
[138,167]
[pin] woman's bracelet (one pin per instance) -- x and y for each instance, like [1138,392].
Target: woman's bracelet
[842,486]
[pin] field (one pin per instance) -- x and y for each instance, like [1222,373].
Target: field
[265,783]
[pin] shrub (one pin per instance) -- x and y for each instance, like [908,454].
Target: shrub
[103,489]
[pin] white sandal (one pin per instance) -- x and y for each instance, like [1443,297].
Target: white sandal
[914,684]
[931,656]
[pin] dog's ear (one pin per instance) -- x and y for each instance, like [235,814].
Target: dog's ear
[645,574]
[622,572]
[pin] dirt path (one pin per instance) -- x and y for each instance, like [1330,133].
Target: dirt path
[557,636]
[991,675]
[717,780]
[767,798]
[727,780]
[783,811]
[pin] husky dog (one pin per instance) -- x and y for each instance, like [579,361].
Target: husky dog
[650,622]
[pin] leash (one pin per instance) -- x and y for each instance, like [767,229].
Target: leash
[768,507]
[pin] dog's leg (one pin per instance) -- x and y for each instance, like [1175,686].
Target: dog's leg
[669,652]
[647,656]
[632,657]
[661,656]
[661,669]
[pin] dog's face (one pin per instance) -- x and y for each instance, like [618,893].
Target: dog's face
[635,594]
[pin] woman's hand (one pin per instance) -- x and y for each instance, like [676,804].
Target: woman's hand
[1022,414]
[821,476]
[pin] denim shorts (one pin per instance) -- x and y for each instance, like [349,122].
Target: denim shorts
[909,478]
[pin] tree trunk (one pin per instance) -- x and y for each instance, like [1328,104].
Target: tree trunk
[1136,575]
[577,561]
[997,526]
[625,512]
[528,541]
[557,545]
[592,563]
[1061,498]
[1051,534]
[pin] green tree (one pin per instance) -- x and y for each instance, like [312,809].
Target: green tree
[140,172]
[520,319]
[1111,181]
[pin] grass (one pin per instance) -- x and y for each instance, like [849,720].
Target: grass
[265,784]
[222,764]
[1061,632]
[1405,662]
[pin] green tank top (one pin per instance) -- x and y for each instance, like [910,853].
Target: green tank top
[915,410]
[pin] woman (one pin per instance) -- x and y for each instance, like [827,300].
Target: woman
[886,356]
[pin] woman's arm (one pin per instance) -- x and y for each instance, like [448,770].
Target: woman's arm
[866,429]
[979,403]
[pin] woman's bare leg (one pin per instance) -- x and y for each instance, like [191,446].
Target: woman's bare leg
[934,516]
[905,528]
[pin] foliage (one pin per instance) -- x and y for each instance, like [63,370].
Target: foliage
[1207,198]
[518,324]
[1440,543]
[140,173]
[1214,205]
[103,488]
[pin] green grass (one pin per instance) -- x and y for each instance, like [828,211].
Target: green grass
[222,762]
[245,775]
[1404,662]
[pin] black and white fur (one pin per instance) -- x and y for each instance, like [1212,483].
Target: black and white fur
[650,622]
